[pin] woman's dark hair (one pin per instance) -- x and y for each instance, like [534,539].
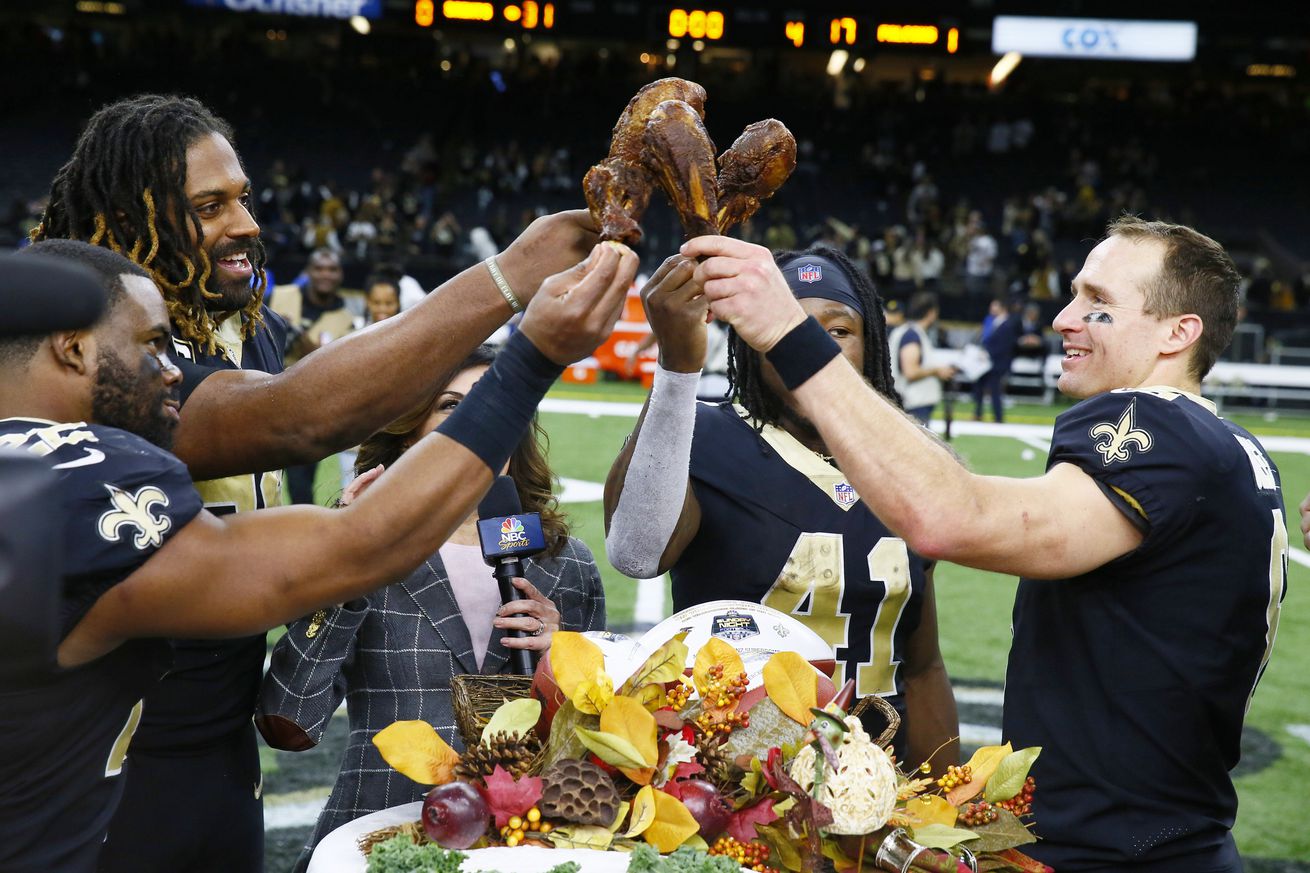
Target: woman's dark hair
[527,466]
[744,376]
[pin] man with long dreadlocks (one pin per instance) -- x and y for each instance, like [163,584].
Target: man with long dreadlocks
[157,178]
[740,500]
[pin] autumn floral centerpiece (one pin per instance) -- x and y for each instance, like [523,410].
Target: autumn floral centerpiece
[771,773]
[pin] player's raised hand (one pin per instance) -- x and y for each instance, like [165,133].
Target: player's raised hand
[745,289]
[575,310]
[676,308]
[548,245]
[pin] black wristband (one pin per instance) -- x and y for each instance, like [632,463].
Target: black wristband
[492,419]
[805,350]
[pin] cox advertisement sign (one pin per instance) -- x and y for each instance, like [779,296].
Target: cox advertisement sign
[1095,38]
[309,8]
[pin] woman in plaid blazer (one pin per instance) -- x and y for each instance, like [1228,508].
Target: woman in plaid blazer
[391,655]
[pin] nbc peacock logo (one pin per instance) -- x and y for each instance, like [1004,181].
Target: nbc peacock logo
[511,534]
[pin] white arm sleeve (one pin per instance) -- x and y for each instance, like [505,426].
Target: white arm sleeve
[655,486]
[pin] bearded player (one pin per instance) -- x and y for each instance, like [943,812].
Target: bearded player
[145,562]
[158,179]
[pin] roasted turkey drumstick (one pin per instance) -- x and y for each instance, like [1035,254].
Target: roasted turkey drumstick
[752,169]
[618,189]
[681,154]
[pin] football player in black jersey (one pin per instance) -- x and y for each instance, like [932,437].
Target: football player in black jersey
[1153,551]
[158,179]
[144,561]
[739,500]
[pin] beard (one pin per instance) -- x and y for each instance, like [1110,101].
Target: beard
[234,293]
[133,402]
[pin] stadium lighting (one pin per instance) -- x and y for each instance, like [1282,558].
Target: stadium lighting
[1004,67]
[836,61]
[858,66]
[360,24]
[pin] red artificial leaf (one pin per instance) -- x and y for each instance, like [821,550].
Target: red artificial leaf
[509,797]
[772,763]
[669,720]
[741,824]
[686,769]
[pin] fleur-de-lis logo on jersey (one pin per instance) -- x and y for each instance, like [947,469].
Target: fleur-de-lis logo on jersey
[135,511]
[1114,441]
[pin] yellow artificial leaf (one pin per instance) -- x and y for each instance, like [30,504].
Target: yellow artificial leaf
[643,812]
[672,825]
[715,651]
[931,809]
[792,685]
[574,659]
[664,665]
[593,695]
[611,748]
[697,842]
[515,717]
[650,696]
[624,806]
[581,837]
[983,764]
[416,750]
[627,718]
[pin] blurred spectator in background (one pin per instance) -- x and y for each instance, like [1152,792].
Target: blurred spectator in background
[917,378]
[1000,333]
[980,257]
[315,315]
[926,262]
[382,299]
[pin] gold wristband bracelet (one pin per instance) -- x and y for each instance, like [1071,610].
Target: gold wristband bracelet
[499,278]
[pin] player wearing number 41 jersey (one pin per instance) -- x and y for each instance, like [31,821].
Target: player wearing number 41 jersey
[740,501]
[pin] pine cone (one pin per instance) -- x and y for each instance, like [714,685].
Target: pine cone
[579,792]
[515,752]
[720,768]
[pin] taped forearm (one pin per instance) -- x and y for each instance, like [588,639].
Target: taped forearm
[655,485]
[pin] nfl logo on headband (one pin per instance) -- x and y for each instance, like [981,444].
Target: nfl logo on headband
[810,273]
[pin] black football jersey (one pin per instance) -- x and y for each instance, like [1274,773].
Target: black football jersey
[210,692]
[65,733]
[1134,678]
[782,527]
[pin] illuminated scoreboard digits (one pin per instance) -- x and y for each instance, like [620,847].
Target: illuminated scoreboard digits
[527,14]
[696,23]
[842,30]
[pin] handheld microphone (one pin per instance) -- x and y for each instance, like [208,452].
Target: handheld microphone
[508,534]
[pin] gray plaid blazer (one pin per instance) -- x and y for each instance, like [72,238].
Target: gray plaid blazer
[391,657]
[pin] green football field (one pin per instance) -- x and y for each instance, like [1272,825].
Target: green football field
[1273,827]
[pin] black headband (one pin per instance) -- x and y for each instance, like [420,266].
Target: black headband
[817,276]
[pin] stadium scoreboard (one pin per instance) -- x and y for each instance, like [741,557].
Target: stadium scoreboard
[709,24]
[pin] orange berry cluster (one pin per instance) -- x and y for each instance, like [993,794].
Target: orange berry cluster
[678,697]
[519,827]
[980,813]
[709,725]
[752,856]
[723,690]
[1021,803]
[955,776]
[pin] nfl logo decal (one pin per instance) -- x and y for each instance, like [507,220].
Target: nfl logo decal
[845,494]
[810,273]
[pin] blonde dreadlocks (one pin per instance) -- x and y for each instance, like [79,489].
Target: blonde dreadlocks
[131,157]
